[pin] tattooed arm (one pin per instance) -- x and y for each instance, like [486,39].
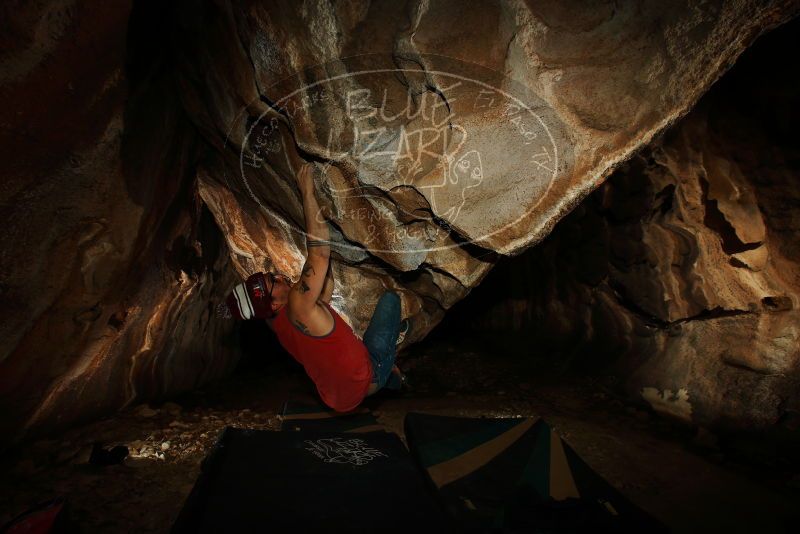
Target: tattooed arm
[303,308]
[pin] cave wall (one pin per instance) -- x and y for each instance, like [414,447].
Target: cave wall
[108,263]
[136,190]
[680,272]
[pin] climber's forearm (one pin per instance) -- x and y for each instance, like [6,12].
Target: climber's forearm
[317,233]
[308,290]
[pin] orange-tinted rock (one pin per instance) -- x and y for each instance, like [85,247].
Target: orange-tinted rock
[681,269]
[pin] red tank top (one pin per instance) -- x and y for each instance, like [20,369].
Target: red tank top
[338,363]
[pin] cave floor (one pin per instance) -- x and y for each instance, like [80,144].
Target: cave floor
[680,476]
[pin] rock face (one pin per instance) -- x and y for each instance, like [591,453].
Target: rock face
[682,267]
[108,259]
[426,147]
[138,185]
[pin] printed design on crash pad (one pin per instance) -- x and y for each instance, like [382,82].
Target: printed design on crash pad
[474,458]
[343,451]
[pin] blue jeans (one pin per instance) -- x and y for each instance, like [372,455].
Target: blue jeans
[380,339]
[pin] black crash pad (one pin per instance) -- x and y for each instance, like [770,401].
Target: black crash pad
[263,481]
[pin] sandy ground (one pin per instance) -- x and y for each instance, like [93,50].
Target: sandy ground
[684,478]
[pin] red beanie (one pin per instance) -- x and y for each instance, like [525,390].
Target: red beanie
[250,300]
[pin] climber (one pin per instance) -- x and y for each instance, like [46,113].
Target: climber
[344,368]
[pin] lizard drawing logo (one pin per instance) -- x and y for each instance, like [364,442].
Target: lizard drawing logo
[412,157]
